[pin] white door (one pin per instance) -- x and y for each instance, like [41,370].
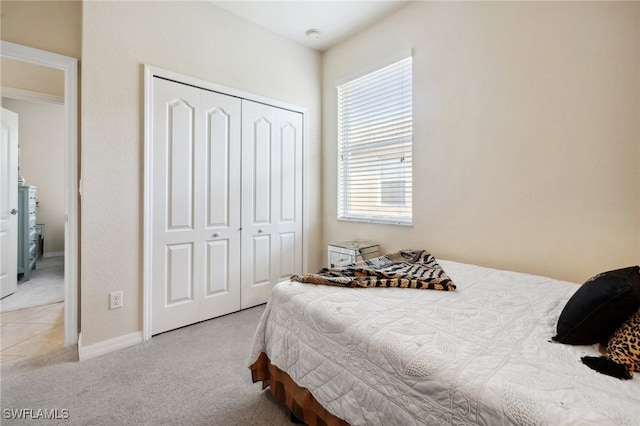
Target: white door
[271,199]
[196,217]
[9,203]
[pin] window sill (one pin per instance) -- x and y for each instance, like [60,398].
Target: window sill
[376,221]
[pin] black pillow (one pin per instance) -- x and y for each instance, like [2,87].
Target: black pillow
[599,307]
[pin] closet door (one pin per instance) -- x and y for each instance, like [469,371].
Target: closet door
[196,238]
[271,199]
[220,181]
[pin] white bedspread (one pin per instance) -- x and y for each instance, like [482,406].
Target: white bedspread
[480,355]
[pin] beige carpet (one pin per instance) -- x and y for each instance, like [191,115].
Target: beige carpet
[196,375]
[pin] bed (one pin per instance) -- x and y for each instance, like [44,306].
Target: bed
[479,355]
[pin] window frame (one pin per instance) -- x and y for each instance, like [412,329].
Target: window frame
[390,213]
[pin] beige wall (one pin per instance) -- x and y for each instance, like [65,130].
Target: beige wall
[54,26]
[42,143]
[193,38]
[32,78]
[526,133]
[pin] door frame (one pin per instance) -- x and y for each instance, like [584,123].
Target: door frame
[69,66]
[149,73]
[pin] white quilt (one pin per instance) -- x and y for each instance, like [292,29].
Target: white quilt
[480,355]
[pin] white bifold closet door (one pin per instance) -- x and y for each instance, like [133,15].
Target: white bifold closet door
[196,205]
[227,203]
[271,199]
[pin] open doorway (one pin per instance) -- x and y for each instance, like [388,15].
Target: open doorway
[68,255]
[33,315]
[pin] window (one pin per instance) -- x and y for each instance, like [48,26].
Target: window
[374,146]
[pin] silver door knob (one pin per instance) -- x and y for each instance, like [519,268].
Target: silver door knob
[259,231]
[216,235]
[14,211]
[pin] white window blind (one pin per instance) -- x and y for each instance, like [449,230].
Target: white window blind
[374,146]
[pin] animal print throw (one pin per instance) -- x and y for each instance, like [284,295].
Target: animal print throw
[405,269]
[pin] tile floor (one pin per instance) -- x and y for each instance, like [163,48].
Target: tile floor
[32,331]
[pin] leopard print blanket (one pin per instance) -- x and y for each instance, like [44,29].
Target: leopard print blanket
[405,269]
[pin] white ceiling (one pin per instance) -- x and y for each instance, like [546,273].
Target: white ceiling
[336,20]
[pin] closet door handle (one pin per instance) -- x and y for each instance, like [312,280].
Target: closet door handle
[14,211]
[259,231]
[216,235]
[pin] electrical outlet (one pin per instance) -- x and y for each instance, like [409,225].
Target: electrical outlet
[115,300]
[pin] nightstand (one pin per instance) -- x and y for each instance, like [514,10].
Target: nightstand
[346,253]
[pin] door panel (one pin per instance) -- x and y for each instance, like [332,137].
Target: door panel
[218,167]
[261,170]
[179,286]
[287,255]
[174,300]
[9,202]
[181,121]
[261,260]
[220,235]
[196,224]
[289,226]
[217,267]
[271,199]
[288,173]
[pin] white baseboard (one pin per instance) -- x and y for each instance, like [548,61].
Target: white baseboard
[107,346]
[53,254]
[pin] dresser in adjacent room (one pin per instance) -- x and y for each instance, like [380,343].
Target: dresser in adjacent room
[26,230]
